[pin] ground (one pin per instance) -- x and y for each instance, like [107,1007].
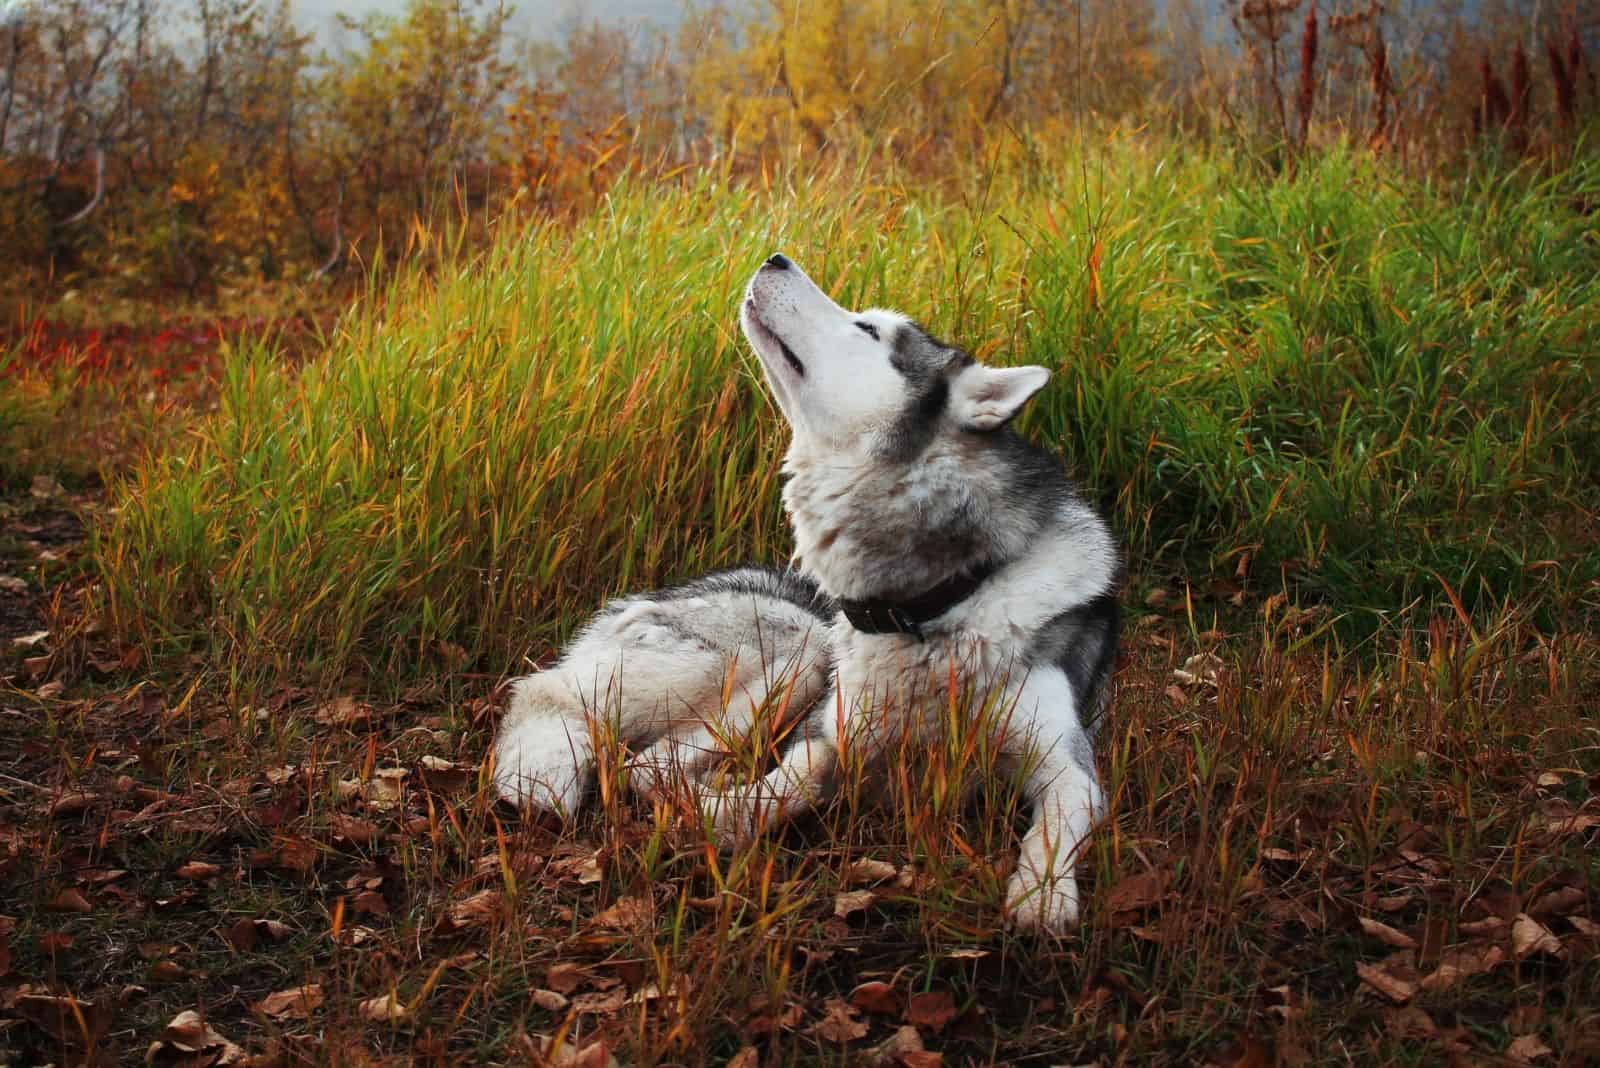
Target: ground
[1378,858]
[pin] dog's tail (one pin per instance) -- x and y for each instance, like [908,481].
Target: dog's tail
[544,754]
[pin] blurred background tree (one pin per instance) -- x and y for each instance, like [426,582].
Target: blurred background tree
[197,144]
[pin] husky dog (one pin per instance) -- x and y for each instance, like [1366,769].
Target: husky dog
[934,546]
[948,543]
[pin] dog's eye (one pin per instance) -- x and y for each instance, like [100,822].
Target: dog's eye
[870,330]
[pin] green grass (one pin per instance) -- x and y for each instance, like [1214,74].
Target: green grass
[1371,393]
[1372,390]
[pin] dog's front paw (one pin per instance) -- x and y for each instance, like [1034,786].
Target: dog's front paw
[1044,905]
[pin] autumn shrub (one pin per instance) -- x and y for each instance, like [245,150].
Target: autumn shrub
[1348,385]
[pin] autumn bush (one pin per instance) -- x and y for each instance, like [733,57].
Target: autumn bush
[1365,391]
[150,146]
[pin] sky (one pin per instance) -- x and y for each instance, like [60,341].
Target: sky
[537,17]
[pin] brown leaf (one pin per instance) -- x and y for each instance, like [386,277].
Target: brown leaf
[387,788]
[1529,936]
[385,1008]
[905,1042]
[1411,1022]
[764,1021]
[168,971]
[1139,891]
[1527,1049]
[71,804]
[876,997]
[550,1001]
[840,1022]
[602,1003]
[356,831]
[198,870]
[628,914]
[67,1020]
[343,712]
[747,1057]
[932,1011]
[1562,901]
[246,933]
[1460,962]
[290,853]
[1584,926]
[1395,989]
[595,1055]
[565,978]
[296,1003]
[69,900]
[481,907]
[869,871]
[852,901]
[189,1033]
[1386,934]
[53,942]
[920,1058]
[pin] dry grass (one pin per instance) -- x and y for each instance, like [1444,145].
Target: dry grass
[1345,424]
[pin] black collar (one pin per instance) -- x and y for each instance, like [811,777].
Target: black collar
[879,615]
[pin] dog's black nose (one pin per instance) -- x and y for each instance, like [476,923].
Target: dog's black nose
[778,262]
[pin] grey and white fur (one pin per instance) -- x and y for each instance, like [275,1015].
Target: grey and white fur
[902,474]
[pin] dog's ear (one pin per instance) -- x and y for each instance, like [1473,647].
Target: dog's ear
[983,398]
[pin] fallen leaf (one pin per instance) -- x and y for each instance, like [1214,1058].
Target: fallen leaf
[869,871]
[852,901]
[198,870]
[343,712]
[67,1020]
[295,1003]
[387,788]
[550,1001]
[840,1022]
[1460,962]
[565,1055]
[933,1010]
[905,1042]
[69,900]
[246,933]
[1411,1022]
[1199,668]
[1559,902]
[877,997]
[628,914]
[602,1003]
[764,1021]
[1529,936]
[168,971]
[1135,892]
[565,978]
[1584,926]
[1395,989]
[1527,1049]
[353,830]
[385,1008]
[1386,934]
[919,1058]
[189,1033]
[481,907]
[70,804]
[288,853]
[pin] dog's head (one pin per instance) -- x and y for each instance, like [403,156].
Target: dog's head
[870,379]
